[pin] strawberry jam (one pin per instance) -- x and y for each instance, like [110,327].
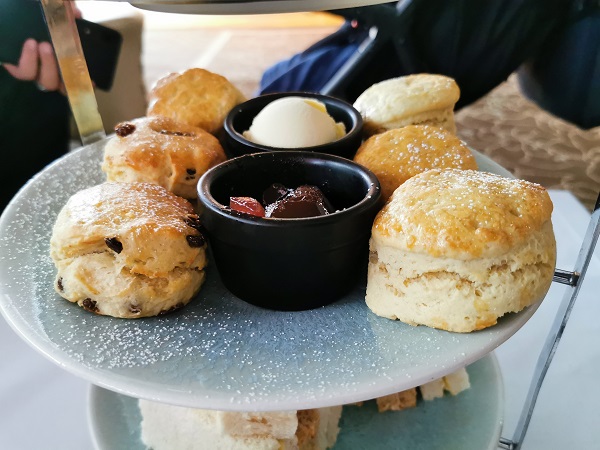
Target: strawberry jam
[247,205]
[283,203]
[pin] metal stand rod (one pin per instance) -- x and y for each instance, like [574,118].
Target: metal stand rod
[78,85]
[574,279]
[565,277]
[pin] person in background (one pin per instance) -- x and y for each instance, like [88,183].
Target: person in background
[34,114]
[478,43]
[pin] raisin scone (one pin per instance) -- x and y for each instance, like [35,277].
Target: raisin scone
[457,249]
[162,151]
[128,250]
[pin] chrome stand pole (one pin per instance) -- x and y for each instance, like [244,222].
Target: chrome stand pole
[573,280]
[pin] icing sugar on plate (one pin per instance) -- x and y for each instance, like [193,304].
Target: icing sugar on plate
[218,352]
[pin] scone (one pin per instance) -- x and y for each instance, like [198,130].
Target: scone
[128,250]
[162,151]
[457,249]
[396,155]
[167,427]
[195,97]
[409,100]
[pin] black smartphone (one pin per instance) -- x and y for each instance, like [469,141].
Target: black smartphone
[24,19]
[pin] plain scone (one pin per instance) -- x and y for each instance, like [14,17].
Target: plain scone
[128,250]
[195,97]
[167,427]
[396,155]
[162,151]
[457,249]
[409,100]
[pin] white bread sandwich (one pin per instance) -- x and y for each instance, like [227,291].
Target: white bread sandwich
[454,383]
[167,427]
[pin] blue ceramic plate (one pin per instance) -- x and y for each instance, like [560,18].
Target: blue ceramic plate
[470,420]
[218,352]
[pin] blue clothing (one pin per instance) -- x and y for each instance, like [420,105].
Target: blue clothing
[311,69]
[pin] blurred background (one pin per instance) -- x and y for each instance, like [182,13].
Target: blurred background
[504,124]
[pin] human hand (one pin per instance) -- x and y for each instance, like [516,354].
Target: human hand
[37,63]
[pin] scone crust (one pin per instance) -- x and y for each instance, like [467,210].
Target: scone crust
[463,214]
[401,98]
[399,154]
[128,250]
[162,151]
[196,97]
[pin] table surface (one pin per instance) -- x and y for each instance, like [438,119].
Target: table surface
[44,407]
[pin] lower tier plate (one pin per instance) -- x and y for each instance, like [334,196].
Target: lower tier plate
[471,420]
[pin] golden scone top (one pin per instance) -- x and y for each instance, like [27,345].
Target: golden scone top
[399,154]
[117,205]
[150,230]
[406,96]
[162,151]
[462,214]
[196,97]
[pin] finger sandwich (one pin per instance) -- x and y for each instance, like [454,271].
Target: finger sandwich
[167,427]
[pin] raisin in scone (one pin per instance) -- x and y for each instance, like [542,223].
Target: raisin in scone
[457,249]
[162,151]
[128,250]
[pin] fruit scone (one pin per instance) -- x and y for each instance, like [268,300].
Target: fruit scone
[161,151]
[128,250]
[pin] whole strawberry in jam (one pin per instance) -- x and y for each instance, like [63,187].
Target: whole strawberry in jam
[284,203]
[304,201]
[247,205]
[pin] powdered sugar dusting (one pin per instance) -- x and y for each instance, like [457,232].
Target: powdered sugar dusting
[217,352]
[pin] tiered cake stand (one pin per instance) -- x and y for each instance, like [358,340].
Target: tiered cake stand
[221,353]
